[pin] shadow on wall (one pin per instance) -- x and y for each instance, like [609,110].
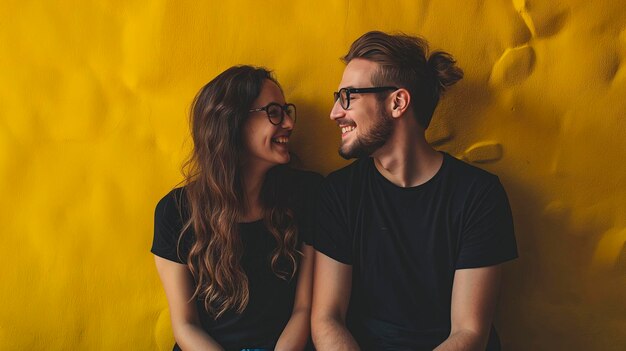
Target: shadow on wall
[556,287]
[317,138]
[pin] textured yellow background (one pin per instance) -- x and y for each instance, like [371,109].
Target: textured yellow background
[93,130]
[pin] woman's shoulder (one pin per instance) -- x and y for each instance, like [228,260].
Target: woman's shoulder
[169,218]
[172,206]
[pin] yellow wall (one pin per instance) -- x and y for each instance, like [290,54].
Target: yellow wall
[93,129]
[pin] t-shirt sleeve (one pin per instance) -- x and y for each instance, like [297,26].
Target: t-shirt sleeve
[332,237]
[167,228]
[487,236]
[311,191]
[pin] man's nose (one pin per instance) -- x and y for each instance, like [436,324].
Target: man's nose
[337,111]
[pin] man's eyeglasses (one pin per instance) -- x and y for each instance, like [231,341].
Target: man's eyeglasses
[276,112]
[344,94]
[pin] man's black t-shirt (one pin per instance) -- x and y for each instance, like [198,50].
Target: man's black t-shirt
[271,298]
[404,245]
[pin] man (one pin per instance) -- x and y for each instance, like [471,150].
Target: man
[410,240]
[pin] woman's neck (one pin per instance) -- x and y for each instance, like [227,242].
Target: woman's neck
[253,179]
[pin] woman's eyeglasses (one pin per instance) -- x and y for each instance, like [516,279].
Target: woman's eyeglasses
[276,112]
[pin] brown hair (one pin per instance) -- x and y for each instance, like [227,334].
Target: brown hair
[215,195]
[403,62]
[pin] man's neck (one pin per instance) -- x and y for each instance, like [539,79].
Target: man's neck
[407,160]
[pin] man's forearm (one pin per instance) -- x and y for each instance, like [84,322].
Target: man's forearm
[330,334]
[463,340]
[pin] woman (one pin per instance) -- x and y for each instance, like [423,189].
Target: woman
[232,245]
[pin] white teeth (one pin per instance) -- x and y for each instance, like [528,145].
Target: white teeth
[347,129]
[281,140]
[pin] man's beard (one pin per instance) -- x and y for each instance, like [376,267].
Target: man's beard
[372,140]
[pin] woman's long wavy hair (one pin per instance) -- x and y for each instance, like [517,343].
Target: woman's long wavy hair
[214,190]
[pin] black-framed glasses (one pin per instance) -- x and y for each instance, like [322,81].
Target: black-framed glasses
[276,112]
[344,94]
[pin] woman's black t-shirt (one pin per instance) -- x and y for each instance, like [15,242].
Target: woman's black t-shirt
[271,298]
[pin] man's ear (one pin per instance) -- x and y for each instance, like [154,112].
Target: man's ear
[400,100]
